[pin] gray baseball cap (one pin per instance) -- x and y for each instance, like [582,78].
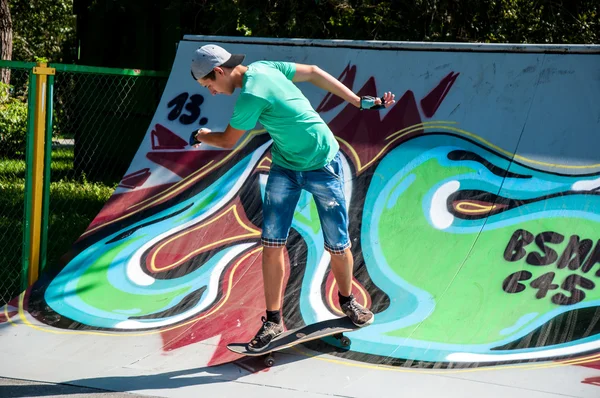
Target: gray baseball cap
[207,57]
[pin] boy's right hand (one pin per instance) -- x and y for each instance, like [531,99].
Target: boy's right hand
[376,103]
[194,141]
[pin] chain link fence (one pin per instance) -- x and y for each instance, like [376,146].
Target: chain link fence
[100,119]
[13,133]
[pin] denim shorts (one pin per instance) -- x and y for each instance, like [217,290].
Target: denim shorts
[327,188]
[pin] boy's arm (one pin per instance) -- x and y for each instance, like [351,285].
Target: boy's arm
[246,113]
[322,79]
[226,139]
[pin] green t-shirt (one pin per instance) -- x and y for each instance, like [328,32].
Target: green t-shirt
[301,139]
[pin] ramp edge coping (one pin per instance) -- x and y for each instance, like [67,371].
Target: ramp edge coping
[405,45]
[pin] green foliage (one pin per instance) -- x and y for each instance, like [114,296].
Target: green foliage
[43,28]
[46,28]
[74,202]
[500,21]
[13,123]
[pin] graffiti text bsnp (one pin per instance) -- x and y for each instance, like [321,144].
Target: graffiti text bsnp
[573,256]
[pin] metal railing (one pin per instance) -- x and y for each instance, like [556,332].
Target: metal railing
[83,127]
[15,112]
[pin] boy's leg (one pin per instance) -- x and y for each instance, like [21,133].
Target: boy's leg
[327,187]
[273,275]
[281,197]
[342,266]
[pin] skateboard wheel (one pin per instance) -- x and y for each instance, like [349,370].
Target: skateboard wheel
[345,341]
[269,361]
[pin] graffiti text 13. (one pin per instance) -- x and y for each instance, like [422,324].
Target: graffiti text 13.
[191,104]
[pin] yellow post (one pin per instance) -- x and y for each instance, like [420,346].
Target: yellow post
[38,169]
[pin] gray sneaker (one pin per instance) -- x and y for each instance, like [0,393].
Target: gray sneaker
[265,335]
[358,314]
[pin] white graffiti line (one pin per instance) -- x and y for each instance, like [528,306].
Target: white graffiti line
[316,299]
[317,302]
[439,214]
[586,185]
[348,181]
[548,353]
[210,297]
[262,179]
[134,272]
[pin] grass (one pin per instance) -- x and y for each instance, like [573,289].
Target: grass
[74,202]
[12,187]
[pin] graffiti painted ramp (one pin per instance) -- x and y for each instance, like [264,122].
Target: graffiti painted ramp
[474,216]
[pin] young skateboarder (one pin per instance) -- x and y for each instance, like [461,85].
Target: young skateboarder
[305,155]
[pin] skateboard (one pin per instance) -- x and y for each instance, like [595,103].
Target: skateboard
[331,327]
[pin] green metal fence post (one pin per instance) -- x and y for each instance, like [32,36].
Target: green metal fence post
[47,169]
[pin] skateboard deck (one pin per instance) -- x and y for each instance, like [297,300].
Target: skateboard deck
[300,335]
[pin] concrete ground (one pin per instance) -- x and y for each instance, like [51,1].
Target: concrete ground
[15,388]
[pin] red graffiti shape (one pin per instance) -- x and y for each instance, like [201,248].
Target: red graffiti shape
[365,136]
[227,227]
[185,163]
[236,316]
[135,179]
[163,138]
[119,203]
[594,381]
[432,101]
[331,101]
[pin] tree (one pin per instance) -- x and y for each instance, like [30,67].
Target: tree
[43,28]
[482,21]
[6,47]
